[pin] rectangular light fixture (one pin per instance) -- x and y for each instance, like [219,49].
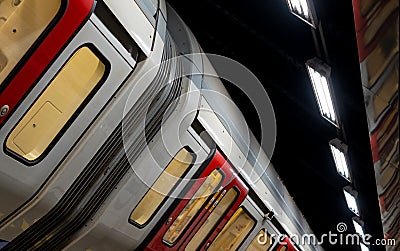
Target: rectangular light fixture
[339,153]
[319,74]
[304,10]
[363,247]
[350,196]
[358,226]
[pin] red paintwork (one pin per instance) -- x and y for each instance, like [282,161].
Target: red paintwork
[361,21]
[230,180]
[365,49]
[74,15]
[382,203]
[285,243]
[240,186]
[362,24]
[375,147]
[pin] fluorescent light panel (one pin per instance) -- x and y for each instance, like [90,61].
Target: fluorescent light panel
[351,202]
[320,83]
[359,229]
[339,156]
[303,10]
[363,247]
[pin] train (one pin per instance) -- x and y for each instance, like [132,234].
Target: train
[377,30]
[114,138]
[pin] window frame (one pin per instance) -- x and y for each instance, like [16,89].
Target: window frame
[268,233]
[186,201]
[216,160]
[70,121]
[56,42]
[140,226]
[207,215]
[210,242]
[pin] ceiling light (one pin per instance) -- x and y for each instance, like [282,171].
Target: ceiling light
[358,226]
[304,10]
[350,196]
[319,74]
[339,152]
[363,247]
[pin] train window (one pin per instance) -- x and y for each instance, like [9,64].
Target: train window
[57,104]
[19,30]
[212,220]
[153,199]
[282,248]
[234,232]
[262,243]
[209,186]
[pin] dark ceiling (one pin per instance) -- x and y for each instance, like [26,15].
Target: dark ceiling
[274,44]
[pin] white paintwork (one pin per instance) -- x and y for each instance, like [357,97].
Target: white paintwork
[135,22]
[110,228]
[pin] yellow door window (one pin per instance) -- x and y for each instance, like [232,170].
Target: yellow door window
[261,242]
[210,184]
[56,105]
[21,23]
[162,187]
[234,232]
[216,215]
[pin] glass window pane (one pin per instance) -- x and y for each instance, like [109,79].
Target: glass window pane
[209,186]
[212,220]
[56,105]
[234,232]
[283,248]
[21,23]
[162,187]
[262,243]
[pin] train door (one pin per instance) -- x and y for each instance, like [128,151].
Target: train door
[263,237]
[209,201]
[52,119]
[285,244]
[231,233]
[32,33]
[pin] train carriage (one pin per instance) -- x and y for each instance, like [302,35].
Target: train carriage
[112,139]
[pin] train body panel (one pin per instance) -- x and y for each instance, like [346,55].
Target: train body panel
[92,184]
[36,174]
[41,53]
[30,179]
